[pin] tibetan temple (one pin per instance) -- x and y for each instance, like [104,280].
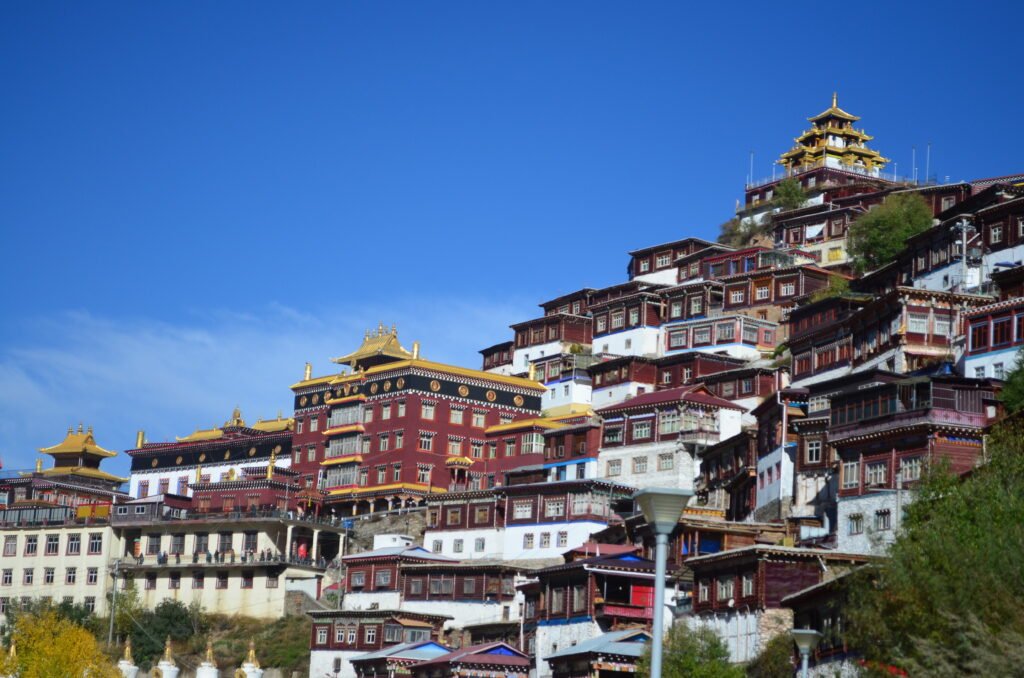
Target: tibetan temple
[833,141]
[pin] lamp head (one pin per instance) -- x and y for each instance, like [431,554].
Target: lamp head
[806,639]
[662,506]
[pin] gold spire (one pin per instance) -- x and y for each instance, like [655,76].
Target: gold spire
[209,654]
[270,466]
[251,658]
[79,427]
[835,100]
[39,465]
[168,657]
[308,373]
[383,344]
[128,650]
[236,418]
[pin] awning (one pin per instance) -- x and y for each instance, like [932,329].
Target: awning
[814,231]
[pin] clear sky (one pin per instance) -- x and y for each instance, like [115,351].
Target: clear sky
[196,198]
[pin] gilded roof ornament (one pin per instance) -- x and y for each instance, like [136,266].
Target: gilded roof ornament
[251,658]
[128,650]
[168,657]
[209,654]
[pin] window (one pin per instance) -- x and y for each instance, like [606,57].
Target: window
[979,336]
[48,575]
[479,419]
[90,603]
[668,421]
[70,575]
[725,331]
[385,411]
[358,579]
[998,371]
[198,579]
[614,467]
[401,408]
[883,520]
[396,472]
[480,544]
[736,296]
[423,474]
[726,586]
[10,545]
[702,592]
[666,462]
[28,576]
[675,309]
[321,635]
[31,545]
[618,320]
[602,324]
[634,316]
[222,580]
[702,335]
[522,510]
[52,544]
[545,540]
[641,429]
[367,414]
[455,415]
[92,575]
[426,441]
[696,305]
[979,372]
[851,474]
[943,325]
[855,523]
[8,577]
[677,339]
[95,544]
[640,464]
[383,440]
[917,323]
[662,260]
[1002,332]
[427,411]
[996,234]
[813,449]
[437,546]
[910,469]
[174,581]
[554,508]
[874,473]
[557,600]
[382,578]
[457,546]
[748,585]
[644,265]
[528,541]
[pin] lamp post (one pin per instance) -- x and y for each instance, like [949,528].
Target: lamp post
[661,507]
[806,640]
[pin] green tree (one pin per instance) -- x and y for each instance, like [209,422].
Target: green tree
[48,645]
[691,653]
[789,195]
[878,235]
[149,629]
[77,614]
[775,660]
[947,602]
[1012,394]
[837,287]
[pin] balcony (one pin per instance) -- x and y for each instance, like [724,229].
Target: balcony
[702,435]
[913,417]
[614,610]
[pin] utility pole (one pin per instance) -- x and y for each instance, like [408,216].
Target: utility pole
[113,604]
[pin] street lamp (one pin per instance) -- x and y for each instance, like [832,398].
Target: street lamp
[661,507]
[806,640]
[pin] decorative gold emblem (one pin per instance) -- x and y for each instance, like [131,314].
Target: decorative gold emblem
[316,398]
[252,451]
[387,385]
[303,400]
[337,393]
[373,387]
[227,454]
[153,463]
[400,384]
[277,449]
[491,396]
[355,389]
[463,390]
[202,457]
[178,460]
[518,400]
[435,385]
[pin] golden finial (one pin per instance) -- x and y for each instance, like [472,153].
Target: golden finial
[835,99]
[71,429]
[270,466]
[209,654]
[394,330]
[167,653]
[79,427]
[415,350]
[367,335]
[39,465]
[251,658]
[128,650]
[308,374]
[380,328]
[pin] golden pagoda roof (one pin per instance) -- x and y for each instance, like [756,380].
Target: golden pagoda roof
[313,381]
[458,461]
[834,111]
[83,471]
[278,425]
[201,434]
[78,443]
[521,382]
[383,343]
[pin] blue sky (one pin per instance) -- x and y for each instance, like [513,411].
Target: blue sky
[196,198]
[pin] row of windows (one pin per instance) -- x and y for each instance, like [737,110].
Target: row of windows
[666,462]
[28,576]
[89,602]
[529,540]
[996,333]
[51,544]
[199,580]
[669,422]
[347,635]
[617,320]
[725,588]
[883,521]
[876,473]
[201,543]
[718,333]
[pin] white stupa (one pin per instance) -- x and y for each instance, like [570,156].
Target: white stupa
[208,667]
[166,668]
[126,666]
[250,667]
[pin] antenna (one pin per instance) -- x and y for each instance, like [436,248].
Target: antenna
[913,163]
[928,161]
[751,167]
